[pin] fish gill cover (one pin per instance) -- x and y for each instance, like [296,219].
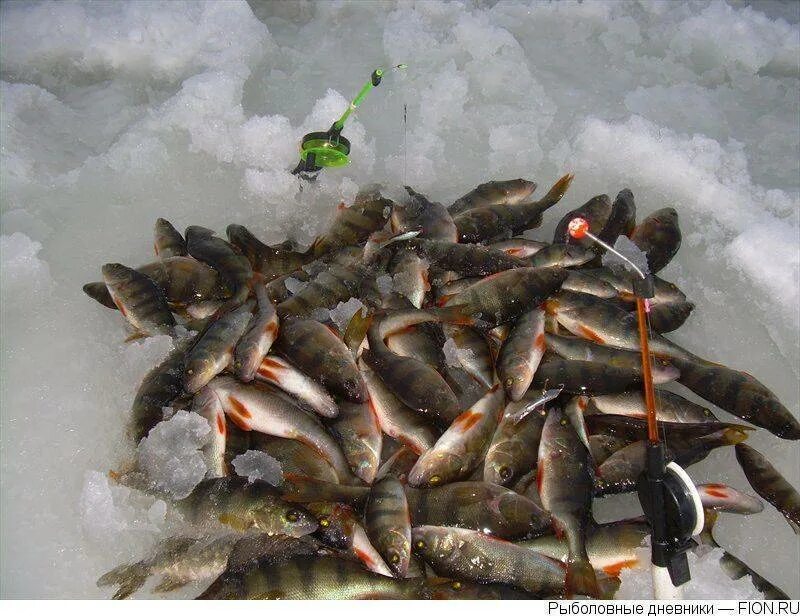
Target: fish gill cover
[115,114]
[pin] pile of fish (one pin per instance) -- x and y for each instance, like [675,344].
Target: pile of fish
[445,439]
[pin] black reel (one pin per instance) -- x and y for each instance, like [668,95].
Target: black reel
[671,507]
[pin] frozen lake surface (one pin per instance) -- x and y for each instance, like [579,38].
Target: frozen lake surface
[114,114]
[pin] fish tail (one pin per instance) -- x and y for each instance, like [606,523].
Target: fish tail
[224,587]
[129,577]
[735,435]
[608,586]
[581,579]
[356,330]
[317,248]
[557,191]
[169,583]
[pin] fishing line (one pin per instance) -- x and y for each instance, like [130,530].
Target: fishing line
[404,90]
[405,143]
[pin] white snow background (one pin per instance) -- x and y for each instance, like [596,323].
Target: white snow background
[116,113]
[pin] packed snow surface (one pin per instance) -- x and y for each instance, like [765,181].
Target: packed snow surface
[116,113]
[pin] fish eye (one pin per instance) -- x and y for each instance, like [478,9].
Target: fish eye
[505,472]
[395,558]
[509,381]
[420,544]
[292,515]
[564,422]
[324,522]
[435,479]
[456,585]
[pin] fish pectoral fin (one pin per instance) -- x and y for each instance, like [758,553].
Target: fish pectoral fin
[134,336]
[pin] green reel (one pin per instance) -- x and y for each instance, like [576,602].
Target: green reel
[329,149]
[325,150]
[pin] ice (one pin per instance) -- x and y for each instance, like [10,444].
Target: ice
[385,284]
[108,509]
[169,455]
[405,281]
[451,353]
[114,114]
[293,285]
[258,465]
[344,311]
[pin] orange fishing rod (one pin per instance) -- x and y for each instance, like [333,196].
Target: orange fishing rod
[667,494]
[642,309]
[579,228]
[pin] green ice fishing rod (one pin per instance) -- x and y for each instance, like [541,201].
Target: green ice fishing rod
[329,149]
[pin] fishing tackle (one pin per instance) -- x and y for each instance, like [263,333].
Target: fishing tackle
[329,148]
[666,493]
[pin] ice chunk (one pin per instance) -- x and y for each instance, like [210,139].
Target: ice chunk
[385,284]
[293,285]
[170,455]
[406,280]
[322,315]
[108,509]
[344,311]
[258,465]
[451,353]
[348,190]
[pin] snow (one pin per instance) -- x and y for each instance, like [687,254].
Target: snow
[258,465]
[708,581]
[114,114]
